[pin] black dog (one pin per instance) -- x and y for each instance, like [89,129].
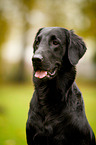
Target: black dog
[57,115]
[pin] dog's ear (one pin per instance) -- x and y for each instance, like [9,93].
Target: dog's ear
[76,48]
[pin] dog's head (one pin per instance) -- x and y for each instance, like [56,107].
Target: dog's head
[51,45]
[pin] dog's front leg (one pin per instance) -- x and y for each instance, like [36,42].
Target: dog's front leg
[34,128]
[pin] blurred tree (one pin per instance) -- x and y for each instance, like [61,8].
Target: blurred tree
[22,9]
[3,28]
[25,7]
[56,13]
[3,33]
[69,14]
[94,58]
[88,8]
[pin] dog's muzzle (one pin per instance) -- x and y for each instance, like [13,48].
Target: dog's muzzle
[40,72]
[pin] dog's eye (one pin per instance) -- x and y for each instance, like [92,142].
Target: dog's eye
[37,42]
[55,42]
[35,46]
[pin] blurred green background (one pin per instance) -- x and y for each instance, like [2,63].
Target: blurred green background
[19,22]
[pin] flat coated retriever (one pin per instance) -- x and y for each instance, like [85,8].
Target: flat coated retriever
[57,115]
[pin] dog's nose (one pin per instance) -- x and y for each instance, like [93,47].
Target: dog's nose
[37,58]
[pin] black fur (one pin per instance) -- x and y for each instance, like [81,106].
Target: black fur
[56,115]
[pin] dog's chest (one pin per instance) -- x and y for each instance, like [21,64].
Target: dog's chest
[54,120]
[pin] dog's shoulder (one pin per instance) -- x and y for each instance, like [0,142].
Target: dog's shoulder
[77,109]
[76,104]
[75,97]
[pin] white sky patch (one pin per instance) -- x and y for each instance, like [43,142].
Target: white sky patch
[12,51]
[28,55]
[37,18]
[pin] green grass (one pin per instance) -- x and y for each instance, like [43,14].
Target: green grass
[14,105]
[89,96]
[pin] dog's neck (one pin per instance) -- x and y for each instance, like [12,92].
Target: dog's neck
[55,90]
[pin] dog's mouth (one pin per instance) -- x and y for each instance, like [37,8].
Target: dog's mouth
[49,74]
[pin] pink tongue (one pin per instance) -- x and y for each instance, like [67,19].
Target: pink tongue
[40,74]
